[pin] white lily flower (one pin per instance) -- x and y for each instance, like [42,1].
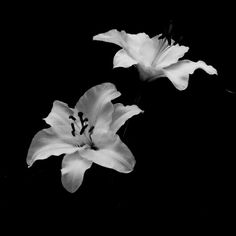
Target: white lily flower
[154,57]
[86,134]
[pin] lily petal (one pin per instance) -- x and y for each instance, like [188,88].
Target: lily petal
[179,73]
[149,73]
[45,144]
[111,36]
[96,104]
[73,169]
[58,118]
[121,114]
[170,56]
[148,52]
[160,44]
[122,59]
[135,41]
[116,156]
[140,47]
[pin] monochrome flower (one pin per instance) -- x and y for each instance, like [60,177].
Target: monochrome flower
[154,57]
[86,134]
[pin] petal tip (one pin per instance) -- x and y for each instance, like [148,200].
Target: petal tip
[115,66]
[131,167]
[210,69]
[214,71]
[95,37]
[186,48]
[29,162]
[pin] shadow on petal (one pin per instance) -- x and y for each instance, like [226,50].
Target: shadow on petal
[116,156]
[121,114]
[73,169]
[94,102]
[47,143]
[122,59]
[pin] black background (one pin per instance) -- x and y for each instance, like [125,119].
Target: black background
[182,143]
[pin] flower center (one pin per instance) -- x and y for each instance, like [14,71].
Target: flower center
[79,128]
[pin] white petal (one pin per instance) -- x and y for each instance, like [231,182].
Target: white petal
[135,41]
[161,44]
[121,114]
[170,56]
[116,156]
[96,104]
[111,36]
[139,47]
[179,73]
[149,73]
[147,52]
[58,118]
[73,169]
[45,144]
[122,59]
[102,140]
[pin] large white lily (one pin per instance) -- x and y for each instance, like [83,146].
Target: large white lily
[86,134]
[154,57]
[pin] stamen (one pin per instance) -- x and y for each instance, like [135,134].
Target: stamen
[73,129]
[72,117]
[80,115]
[93,147]
[91,129]
[82,121]
[179,40]
[167,33]
[83,129]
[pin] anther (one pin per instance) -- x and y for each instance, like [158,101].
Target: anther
[80,115]
[73,129]
[72,117]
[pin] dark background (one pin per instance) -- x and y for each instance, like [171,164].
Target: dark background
[182,143]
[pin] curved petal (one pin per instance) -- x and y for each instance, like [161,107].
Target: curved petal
[58,118]
[161,44]
[170,56]
[111,36]
[116,156]
[73,169]
[96,105]
[45,144]
[179,73]
[122,59]
[135,41]
[121,114]
[149,73]
[139,47]
[148,52]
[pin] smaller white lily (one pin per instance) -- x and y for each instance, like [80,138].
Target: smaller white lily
[154,57]
[86,134]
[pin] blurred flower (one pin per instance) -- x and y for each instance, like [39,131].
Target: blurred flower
[154,57]
[86,134]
